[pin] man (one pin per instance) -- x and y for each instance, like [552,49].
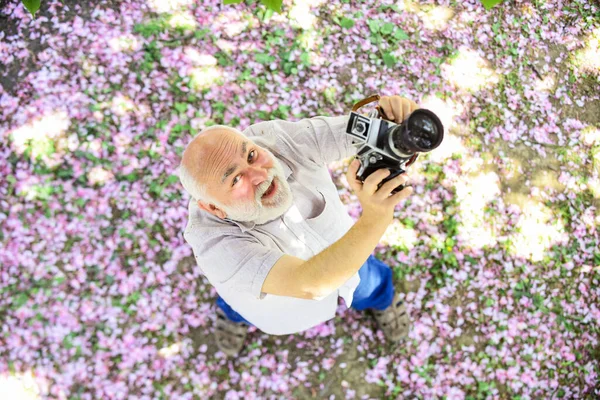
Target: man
[270,233]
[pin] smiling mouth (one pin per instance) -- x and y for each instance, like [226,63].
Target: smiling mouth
[269,190]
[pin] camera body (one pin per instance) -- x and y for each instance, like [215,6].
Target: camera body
[385,144]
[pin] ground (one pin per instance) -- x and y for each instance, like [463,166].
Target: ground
[496,252]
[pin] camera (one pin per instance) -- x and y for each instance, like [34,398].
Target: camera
[382,143]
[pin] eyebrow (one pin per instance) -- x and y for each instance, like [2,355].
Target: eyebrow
[233,167]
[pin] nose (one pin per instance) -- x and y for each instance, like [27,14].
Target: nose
[258,175]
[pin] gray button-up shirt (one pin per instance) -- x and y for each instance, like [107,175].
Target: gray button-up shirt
[237,256]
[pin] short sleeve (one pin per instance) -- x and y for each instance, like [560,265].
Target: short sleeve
[234,261]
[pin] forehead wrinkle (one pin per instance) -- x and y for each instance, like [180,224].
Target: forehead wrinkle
[217,159]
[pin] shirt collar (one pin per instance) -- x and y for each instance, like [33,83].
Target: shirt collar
[246,226]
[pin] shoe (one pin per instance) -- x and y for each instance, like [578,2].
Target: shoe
[230,335]
[393,321]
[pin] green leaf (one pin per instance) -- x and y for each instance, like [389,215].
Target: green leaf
[400,34]
[134,297]
[436,60]
[346,23]
[538,300]
[374,25]
[131,176]
[519,285]
[389,60]
[232,1]
[387,28]
[408,223]
[181,107]
[68,341]
[264,58]
[171,179]
[32,6]
[488,4]
[178,128]
[156,188]
[483,387]
[274,5]
[20,300]
[305,58]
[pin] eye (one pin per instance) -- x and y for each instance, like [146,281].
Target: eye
[251,158]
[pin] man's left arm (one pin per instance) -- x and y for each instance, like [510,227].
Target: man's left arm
[330,132]
[323,139]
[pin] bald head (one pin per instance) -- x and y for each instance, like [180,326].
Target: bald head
[206,155]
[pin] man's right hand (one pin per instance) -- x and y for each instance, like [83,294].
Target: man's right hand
[377,205]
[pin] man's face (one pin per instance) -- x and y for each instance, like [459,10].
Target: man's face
[246,181]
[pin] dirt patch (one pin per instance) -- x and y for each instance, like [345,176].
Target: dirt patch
[539,55]
[18,70]
[590,113]
[587,85]
[199,337]
[406,286]
[541,172]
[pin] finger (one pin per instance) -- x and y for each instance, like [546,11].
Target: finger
[353,168]
[396,104]
[399,196]
[405,108]
[354,183]
[370,184]
[413,106]
[386,106]
[390,185]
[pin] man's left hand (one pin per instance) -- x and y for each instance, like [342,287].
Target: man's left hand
[397,108]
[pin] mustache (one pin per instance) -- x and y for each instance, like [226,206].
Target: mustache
[266,184]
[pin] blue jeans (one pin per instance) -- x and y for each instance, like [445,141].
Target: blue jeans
[375,290]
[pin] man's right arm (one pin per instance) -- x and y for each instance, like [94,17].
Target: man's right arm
[331,268]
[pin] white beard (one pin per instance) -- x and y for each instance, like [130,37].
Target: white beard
[257,211]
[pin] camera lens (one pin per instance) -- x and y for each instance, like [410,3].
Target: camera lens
[424,131]
[421,132]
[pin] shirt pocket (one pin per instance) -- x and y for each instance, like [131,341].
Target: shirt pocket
[324,222]
[324,208]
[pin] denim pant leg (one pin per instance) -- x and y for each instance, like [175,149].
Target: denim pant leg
[376,288]
[230,312]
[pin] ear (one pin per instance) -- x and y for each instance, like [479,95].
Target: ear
[211,208]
